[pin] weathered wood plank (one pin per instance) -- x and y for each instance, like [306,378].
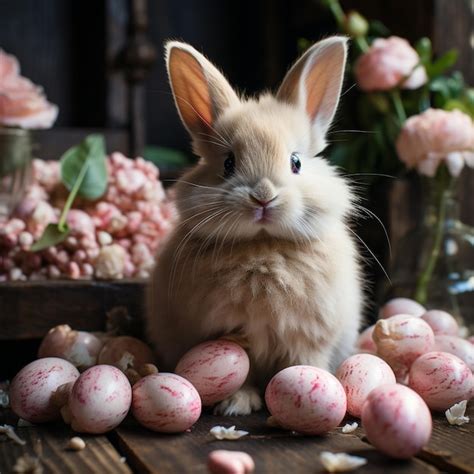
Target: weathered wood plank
[30,309]
[274,451]
[48,443]
[451,448]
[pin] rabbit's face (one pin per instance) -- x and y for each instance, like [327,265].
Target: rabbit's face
[260,176]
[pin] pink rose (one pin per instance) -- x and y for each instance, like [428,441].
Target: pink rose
[435,136]
[22,104]
[386,63]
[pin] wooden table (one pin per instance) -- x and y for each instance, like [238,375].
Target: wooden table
[131,448]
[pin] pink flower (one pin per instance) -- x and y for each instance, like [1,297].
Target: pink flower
[435,136]
[22,104]
[386,63]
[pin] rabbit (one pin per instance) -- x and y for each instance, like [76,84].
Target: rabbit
[262,253]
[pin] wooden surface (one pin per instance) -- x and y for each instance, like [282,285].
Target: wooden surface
[132,448]
[30,309]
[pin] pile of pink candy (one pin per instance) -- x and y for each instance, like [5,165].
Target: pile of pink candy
[112,238]
[411,362]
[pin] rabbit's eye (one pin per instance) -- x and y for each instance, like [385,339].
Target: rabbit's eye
[295,163]
[229,165]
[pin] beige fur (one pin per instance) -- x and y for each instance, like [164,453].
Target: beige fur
[288,290]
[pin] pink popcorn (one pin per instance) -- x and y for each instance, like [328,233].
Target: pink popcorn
[42,216]
[80,222]
[110,262]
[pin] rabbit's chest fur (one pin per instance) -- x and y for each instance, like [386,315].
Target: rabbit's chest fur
[287,300]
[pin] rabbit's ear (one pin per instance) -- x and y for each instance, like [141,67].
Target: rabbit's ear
[315,80]
[200,91]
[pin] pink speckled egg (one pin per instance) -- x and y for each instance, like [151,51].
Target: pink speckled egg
[441,322]
[167,403]
[33,386]
[216,368]
[401,339]
[99,400]
[306,399]
[365,343]
[461,348]
[396,420]
[359,375]
[441,379]
[397,306]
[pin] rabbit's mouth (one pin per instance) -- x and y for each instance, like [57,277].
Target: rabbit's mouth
[262,215]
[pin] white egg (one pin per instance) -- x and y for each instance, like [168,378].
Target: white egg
[441,379]
[99,400]
[359,375]
[396,420]
[32,388]
[216,368]
[306,399]
[166,403]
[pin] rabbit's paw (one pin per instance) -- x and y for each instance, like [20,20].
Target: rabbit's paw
[243,402]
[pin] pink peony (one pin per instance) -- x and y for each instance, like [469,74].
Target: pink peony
[22,104]
[435,136]
[386,63]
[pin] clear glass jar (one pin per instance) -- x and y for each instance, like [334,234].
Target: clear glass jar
[434,263]
[15,166]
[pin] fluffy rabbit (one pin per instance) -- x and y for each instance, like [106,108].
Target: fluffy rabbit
[262,252]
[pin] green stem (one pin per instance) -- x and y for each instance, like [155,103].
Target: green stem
[338,13]
[398,104]
[362,43]
[421,291]
[72,196]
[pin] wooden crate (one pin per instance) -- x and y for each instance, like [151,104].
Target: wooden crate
[29,309]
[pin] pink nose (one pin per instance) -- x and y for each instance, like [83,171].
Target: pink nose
[262,202]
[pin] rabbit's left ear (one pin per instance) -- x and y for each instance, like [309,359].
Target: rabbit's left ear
[315,80]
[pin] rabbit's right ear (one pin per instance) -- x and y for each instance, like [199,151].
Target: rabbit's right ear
[201,93]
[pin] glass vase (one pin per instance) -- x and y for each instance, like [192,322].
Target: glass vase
[434,263]
[15,167]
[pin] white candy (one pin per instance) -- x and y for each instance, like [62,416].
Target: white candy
[456,414]
[340,462]
[220,432]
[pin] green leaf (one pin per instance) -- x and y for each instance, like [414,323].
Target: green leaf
[90,151]
[165,157]
[447,60]
[52,235]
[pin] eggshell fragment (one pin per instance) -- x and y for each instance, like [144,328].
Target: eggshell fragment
[165,402]
[359,375]
[32,388]
[396,420]
[78,347]
[397,306]
[222,461]
[441,322]
[456,346]
[306,399]
[365,343]
[126,352]
[216,368]
[441,379]
[401,339]
[99,400]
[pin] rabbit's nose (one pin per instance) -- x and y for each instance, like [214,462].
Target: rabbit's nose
[262,202]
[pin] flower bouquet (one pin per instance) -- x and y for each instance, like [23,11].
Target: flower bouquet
[414,117]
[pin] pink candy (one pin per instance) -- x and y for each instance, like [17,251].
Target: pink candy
[222,461]
[134,215]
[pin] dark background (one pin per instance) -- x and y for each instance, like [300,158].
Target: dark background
[68,47]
